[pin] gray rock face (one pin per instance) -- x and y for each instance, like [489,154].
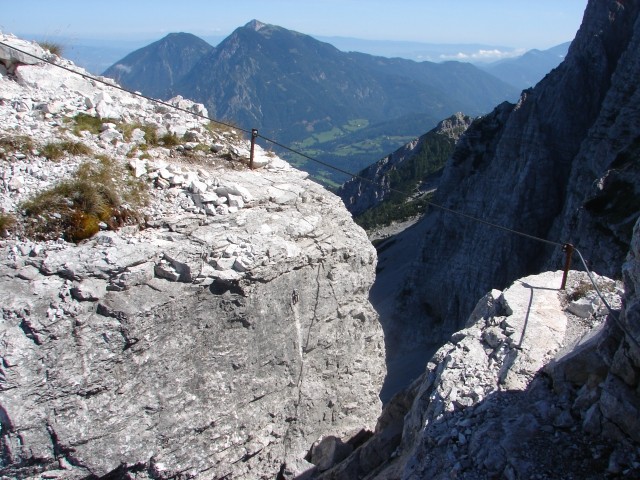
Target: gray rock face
[223,339]
[214,376]
[561,165]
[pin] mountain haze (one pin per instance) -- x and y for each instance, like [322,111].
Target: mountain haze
[301,91]
[528,69]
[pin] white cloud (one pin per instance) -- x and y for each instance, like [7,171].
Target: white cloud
[482,55]
[122,67]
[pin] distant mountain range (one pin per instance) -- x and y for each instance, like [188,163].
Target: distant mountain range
[347,108]
[98,54]
[309,94]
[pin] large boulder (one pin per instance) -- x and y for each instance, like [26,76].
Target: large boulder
[222,337]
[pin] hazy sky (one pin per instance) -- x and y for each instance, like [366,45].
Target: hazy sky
[512,23]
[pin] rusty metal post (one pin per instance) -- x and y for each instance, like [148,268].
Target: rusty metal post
[254,135]
[568,250]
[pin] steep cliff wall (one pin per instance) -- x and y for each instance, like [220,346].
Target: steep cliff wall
[561,164]
[220,338]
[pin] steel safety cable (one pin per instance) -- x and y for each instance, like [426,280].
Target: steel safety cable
[612,312]
[337,169]
[122,89]
[430,203]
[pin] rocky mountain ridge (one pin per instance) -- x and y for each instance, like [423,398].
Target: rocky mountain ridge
[221,336]
[413,169]
[151,353]
[535,373]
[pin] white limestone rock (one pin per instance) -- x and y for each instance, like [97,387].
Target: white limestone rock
[138,166]
[235,201]
[486,383]
[167,271]
[583,307]
[111,135]
[198,187]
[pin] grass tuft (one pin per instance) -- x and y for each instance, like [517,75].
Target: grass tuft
[101,191]
[7,222]
[54,48]
[18,143]
[84,122]
[169,140]
[56,150]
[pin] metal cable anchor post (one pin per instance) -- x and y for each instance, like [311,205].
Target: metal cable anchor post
[567,248]
[254,135]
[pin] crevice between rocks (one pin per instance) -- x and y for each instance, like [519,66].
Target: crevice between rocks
[301,354]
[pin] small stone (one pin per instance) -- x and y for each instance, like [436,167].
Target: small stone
[199,187]
[208,197]
[107,126]
[177,180]
[583,307]
[493,337]
[210,210]
[16,183]
[111,136]
[235,201]
[165,173]
[224,263]
[242,264]
[162,183]
[222,210]
[53,107]
[166,271]
[138,166]
[137,136]
[90,290]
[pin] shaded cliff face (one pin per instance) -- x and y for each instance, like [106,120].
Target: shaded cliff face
[611,386]
[556,165]
[221,339]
